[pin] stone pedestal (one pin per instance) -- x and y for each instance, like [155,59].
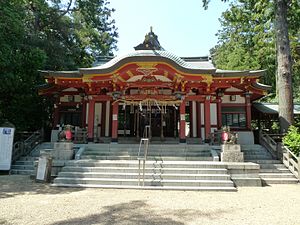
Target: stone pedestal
[231,153]
[63,146]
[63,151]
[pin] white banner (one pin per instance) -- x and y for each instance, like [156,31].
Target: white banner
[6,146]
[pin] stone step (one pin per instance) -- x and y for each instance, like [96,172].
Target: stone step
[246,149]
[272,166]
[151,148]
[28,158]
[255,153]
[155,176]
[173,150]
[276,175]
[175,188]
[252,146]
[169,158]
[265,161]
[134,163]
[147,170]
[275,170]
[148,182]
[22,172]
[98,157]
[22,167]
[126,153]
[270,181]
[257,157]
[24,163]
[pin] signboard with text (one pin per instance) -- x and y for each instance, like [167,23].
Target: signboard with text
[6,147]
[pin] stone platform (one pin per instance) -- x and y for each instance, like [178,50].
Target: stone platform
[231,153]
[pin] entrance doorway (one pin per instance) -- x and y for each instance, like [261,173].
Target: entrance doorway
[163,122]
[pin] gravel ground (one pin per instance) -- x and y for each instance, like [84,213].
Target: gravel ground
[22,201]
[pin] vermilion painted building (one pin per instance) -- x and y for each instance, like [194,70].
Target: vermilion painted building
[151,86]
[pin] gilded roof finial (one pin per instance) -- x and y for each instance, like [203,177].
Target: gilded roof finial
[150,43]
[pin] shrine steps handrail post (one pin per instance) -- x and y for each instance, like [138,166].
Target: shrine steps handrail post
[291,161]
[22,148]
[143,143]
[278,150]
[271,145]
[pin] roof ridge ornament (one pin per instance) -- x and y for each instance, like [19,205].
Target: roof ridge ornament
[150,42]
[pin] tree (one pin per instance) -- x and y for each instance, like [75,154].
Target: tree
[284,68]
[46,34]
[284,73]
[246,40]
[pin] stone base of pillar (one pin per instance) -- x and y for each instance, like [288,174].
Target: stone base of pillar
[114,140]
[182,140]
[90,139]
[231,153]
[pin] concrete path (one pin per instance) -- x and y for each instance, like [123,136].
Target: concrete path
[22,201]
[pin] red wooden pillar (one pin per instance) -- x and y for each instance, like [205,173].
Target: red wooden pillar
[114,127]
[207,125]
[91,120]
[219,112]
[182,138]
[248,111]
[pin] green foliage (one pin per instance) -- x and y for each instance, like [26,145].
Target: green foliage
[292,140]
[46,34]
[247,39]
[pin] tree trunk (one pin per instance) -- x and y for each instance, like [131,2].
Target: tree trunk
[284,71]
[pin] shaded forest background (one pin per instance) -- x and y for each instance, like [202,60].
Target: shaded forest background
[64,35]
[50,35]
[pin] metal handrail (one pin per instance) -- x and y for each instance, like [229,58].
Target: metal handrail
[21,148]
[145,143]
[147,132]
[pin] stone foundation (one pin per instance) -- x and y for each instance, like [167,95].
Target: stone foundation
[231,153]
[60,154]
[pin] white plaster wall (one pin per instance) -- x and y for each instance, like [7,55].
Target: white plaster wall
[239,99]
[202,133]
[202,113]
[77,98]
[97,118]
[213,114]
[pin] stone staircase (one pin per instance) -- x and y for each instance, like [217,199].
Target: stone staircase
[165,152]
[25,164]
[163,175]
[271,171]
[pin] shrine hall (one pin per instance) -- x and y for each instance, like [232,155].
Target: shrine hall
[153,92]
